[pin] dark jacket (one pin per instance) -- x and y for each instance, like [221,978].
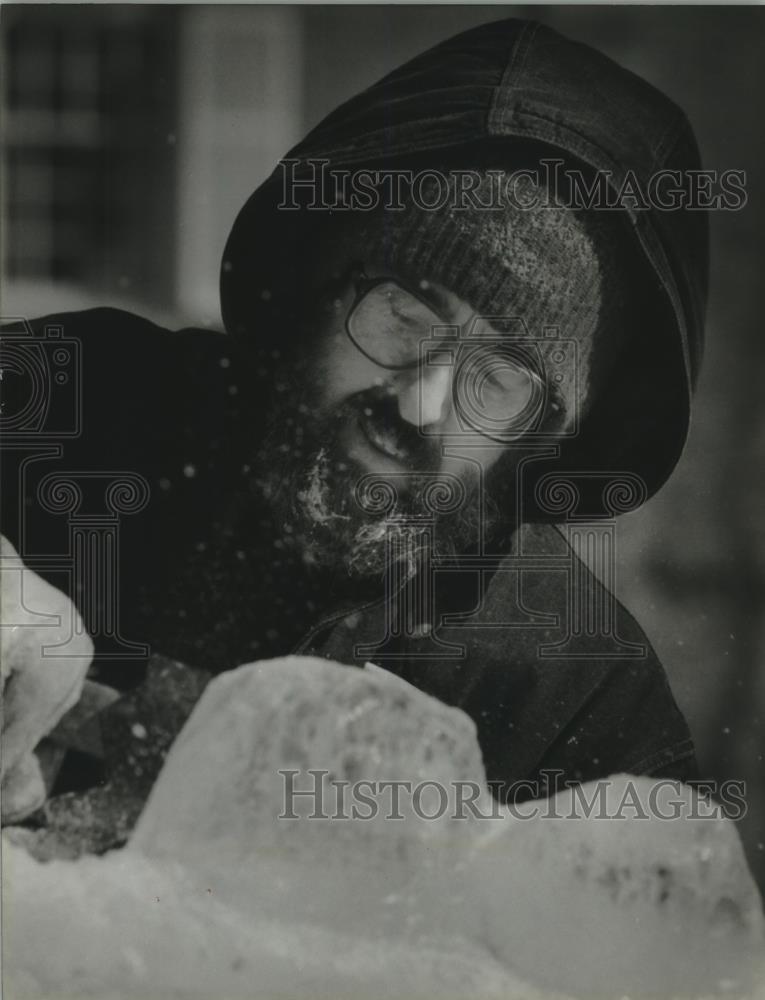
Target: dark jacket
[552,684]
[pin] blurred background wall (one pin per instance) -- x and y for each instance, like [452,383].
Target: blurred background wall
[134,133]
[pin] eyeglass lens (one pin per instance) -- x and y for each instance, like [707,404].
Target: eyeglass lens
[391,326]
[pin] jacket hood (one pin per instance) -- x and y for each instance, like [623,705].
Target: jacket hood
[506,83]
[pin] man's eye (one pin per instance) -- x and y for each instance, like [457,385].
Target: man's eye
[401,315]
[390,324]
[409,310]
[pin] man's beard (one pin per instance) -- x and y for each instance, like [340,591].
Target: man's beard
[341,515]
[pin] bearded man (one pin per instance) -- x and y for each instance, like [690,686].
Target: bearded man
[432,398]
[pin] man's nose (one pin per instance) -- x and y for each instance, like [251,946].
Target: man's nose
[425,397]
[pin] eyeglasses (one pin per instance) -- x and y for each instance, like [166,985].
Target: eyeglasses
[387,322]
[496,385]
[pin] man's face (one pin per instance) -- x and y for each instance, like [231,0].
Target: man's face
[395,434]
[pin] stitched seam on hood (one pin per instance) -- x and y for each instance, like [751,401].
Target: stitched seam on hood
[668,139]
[516,63]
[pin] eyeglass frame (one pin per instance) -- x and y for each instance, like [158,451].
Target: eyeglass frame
[363,285]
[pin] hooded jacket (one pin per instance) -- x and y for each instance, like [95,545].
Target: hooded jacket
[558,677]
[505,83]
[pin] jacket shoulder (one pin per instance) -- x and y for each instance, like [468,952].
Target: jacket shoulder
[78,321]
[108,390]
[106,323]
[106,357]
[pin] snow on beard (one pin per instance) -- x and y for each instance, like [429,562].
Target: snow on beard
[314,489]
